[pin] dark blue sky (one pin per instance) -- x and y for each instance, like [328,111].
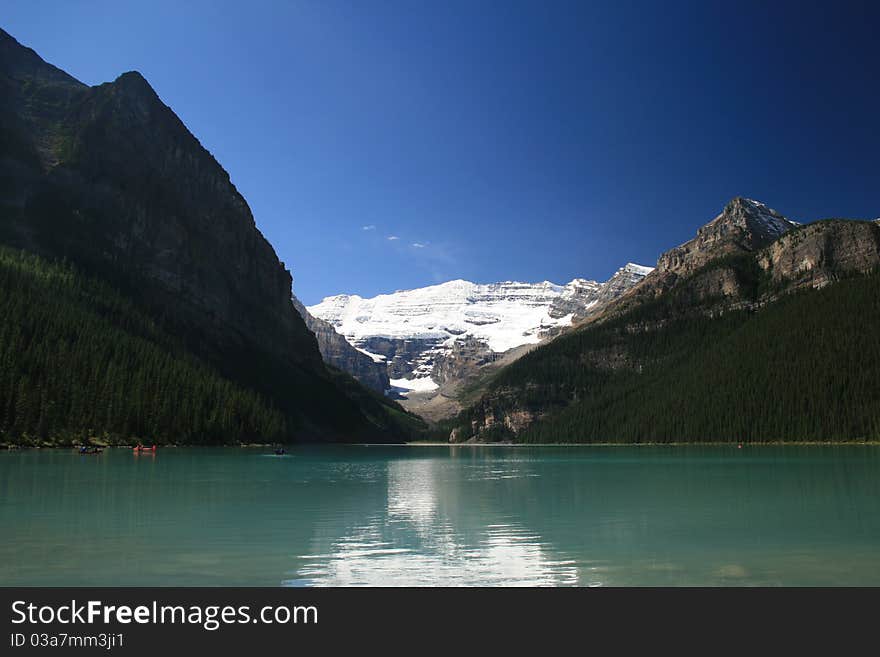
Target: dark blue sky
[508,140]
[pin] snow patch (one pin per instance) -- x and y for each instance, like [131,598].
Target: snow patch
[377,358]
[405,386]
[641,270]
[772,221]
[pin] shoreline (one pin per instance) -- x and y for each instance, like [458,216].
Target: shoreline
[777,443]
[11,447]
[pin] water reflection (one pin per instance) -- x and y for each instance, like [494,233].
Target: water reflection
[442,516]
[425,537]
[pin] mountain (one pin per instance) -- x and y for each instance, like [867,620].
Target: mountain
[110,182]
[749,254]
[442,334]
[757,329]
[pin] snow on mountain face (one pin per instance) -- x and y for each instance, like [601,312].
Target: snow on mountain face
[504,315]
[637,270]
[411,328]
[772,223]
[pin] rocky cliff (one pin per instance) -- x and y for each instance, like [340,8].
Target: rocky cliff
[822,252]
[336,351]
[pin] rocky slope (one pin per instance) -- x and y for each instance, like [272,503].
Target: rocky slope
[111,180]
[441,335]
[820,253]
[743,264]
[749,267]
[336,351]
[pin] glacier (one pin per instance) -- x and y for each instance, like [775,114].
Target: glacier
[411,329]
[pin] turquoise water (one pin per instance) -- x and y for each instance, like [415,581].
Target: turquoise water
[356,515]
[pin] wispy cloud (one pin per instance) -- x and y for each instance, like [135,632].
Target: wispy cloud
[370,227]
[440,259]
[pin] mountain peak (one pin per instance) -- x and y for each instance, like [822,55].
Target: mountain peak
[134,85]
[744,202]
[744,225]
[761,223]
[132,77]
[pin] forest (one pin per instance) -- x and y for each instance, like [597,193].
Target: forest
[80,363]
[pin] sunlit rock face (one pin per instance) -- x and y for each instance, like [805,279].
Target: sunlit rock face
[744,225]
[820,253]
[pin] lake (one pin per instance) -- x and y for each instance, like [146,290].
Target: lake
[442,515]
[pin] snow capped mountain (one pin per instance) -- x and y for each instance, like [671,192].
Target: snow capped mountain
[414,331]
[504,315]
